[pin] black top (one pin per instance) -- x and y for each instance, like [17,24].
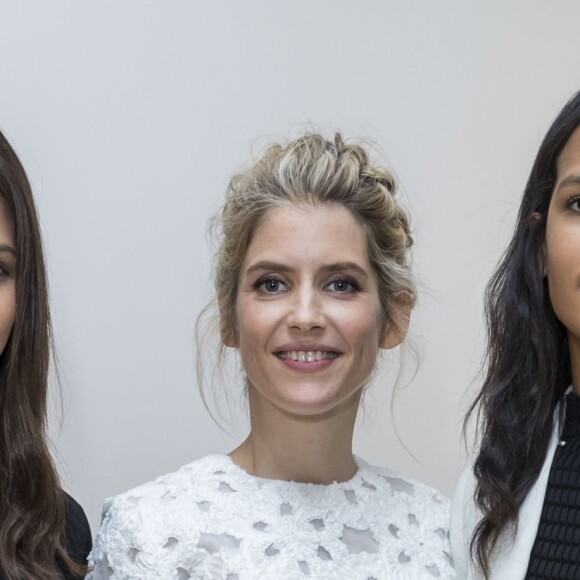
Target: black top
[556,551]
[78,540]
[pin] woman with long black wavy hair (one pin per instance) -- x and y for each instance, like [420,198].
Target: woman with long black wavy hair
[516,512]
[44,533]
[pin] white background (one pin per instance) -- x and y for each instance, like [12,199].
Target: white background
[131,115]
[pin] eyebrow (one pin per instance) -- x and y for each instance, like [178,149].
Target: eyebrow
[266,265]
[8,248]
[571,179]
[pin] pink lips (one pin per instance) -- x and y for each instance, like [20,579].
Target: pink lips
[306,357]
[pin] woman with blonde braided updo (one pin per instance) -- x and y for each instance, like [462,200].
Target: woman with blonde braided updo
[312,280]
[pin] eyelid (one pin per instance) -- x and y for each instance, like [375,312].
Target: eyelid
[347,279]
[268,278]
[265,277]
[573,200]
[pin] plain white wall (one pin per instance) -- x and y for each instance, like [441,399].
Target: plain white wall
[130,116]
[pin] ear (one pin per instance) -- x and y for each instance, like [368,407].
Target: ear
[394,332]
[229,338]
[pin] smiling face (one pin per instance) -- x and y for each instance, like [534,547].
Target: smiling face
[7,274]
[308,316]
[562,245]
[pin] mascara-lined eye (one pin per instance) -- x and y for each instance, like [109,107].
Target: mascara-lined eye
[342,286]
[574,204]
[6,270]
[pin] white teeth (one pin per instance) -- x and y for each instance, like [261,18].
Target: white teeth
[307,355]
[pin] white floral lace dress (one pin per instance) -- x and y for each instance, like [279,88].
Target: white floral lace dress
[212,520]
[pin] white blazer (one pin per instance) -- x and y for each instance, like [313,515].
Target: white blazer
[512,552]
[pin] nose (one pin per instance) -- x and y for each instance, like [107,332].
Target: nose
[306,312]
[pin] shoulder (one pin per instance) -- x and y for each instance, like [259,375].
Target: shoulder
[425,506]
[141,525]
[78,539]
[463,497]
[414,493]
[416,528]
[463,520]
[141,505]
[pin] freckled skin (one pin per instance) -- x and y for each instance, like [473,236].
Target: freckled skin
[7,275]
[305,307]
[562,248]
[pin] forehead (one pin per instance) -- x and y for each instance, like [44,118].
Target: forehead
[326,231]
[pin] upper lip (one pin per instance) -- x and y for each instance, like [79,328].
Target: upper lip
[307,347]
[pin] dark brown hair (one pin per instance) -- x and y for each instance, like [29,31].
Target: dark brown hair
[32,508]
[528,361]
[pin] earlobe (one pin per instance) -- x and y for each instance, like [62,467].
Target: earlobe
[391,337]
[394,332]
[229,338]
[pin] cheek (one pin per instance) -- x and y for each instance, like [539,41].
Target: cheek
[7,313]
[563,273]
[255,325]
[362,328]
[562,259]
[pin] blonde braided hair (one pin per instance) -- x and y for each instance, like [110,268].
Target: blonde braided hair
[310,171]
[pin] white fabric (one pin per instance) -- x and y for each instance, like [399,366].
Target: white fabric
[212,520]
[513,551]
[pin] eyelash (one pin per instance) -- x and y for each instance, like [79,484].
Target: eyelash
[574,201]
[354,287]
[262,282]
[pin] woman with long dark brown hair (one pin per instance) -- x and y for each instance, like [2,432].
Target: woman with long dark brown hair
[516,513]
[44,533]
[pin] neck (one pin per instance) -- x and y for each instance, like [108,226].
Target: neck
[302,448]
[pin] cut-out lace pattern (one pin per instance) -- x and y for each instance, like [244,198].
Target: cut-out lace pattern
[212,520]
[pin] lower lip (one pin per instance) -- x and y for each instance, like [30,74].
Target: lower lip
[313,366]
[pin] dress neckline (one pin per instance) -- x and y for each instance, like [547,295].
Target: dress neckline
[234,468]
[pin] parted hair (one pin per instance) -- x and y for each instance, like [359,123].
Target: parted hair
[527,362]
[32,504]
[310,171]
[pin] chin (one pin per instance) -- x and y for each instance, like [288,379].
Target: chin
[317,407]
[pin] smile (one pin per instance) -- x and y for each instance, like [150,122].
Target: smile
[307,355]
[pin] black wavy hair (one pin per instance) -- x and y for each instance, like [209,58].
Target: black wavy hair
[527,364]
